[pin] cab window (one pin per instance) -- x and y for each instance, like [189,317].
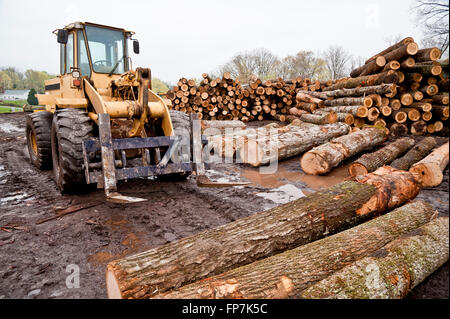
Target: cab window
[62,54]
[69,53]
[83,61]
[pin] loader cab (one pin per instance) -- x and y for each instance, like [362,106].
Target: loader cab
[97,52]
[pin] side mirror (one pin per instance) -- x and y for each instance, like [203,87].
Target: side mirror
[136,46]
[63,35]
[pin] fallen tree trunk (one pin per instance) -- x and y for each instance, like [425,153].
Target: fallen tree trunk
[257,152]
[371,161]
[258,236]
[429,170]
[287,274]
[415,154]
[324,158]
[397,268]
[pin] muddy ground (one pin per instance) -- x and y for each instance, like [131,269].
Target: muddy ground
[35,259]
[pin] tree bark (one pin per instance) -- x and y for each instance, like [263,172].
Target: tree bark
[392,271]
[322,159]
[415,154]
[287,274]
[294,141]
[427,69]
[369,162]
[429,171]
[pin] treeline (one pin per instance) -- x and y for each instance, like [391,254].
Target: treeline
[12,79]
[333,63]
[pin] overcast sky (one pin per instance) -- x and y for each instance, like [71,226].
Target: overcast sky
[187,38]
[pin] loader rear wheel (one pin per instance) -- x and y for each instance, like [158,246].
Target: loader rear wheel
[38,127]
[181,127]
[69,128]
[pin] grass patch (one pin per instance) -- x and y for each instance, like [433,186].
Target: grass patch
[17,103]
[5,109]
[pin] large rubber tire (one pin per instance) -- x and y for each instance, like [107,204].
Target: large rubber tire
[69,128]
[182,127]
[38,129]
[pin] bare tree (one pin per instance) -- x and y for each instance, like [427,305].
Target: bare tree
[305,64]
[259,62]
[393,39]
[356,62]
[337,60]
[433,15]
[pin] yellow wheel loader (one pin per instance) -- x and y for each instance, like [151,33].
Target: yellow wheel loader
[103,123]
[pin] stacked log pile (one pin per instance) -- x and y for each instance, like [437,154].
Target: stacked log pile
[227,99]
[416,100]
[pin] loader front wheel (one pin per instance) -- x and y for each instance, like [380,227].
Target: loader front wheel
[38,127]
[69,128]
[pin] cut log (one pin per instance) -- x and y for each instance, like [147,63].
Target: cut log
[386,110]
[427,69]
[293,141]
[418,128]
[424,107]
[440,110]
[319,95]
[325,118]
[398,129]
[310,107]
[365,101]
[395,104]
[441,99]
[400,116]
[413,114]
[308,98]
[408,63]
[397,268]
[427,116]
[430,54]
[355,110]
[406,99]
[430,89]
[360,91]
[287,274]
[369,162]
[429,170]
[373,114]
[368,80]
[415,154]
[402,52]
[438,126]
[370,68]
[322,159]
[222,125]
[392,65]
[402,43]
